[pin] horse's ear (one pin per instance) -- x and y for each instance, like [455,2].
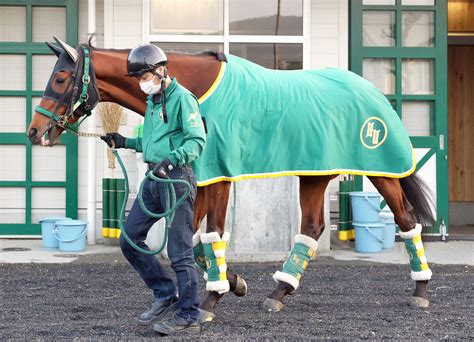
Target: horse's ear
[56,49]
[69,49]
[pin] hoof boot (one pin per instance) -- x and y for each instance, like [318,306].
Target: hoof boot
[206,316]
[241,288]
[419,302]
[272,305]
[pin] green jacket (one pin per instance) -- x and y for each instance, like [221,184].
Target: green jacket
[181,139]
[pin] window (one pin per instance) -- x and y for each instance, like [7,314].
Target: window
[271,34]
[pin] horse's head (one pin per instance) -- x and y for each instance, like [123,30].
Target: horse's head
[71,93]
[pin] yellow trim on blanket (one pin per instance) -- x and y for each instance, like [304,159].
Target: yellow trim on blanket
[214,85]
[306,173]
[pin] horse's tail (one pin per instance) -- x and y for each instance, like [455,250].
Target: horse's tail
[420,197]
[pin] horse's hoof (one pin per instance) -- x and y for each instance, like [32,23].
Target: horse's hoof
[419,302]
[272,305]
[241,288]
[206,316]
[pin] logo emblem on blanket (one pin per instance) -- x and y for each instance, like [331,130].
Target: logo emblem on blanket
[373,132]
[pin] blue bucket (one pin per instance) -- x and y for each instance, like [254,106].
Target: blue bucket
[368,237]
[71,235]
[386,217]
[47,226]
[365,206]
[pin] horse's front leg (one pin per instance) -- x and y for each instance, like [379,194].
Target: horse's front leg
[210,248]
[312,225]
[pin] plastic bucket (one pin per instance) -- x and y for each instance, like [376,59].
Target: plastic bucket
[365,206]
[71,235]
[386,217]
[368,237]
[47,226]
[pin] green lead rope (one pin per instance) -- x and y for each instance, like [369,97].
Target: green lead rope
[170,206]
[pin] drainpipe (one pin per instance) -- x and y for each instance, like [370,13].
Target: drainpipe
[91,146]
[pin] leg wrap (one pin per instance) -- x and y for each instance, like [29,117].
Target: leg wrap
[293,268]
[198,251]
[419,265]
[214,250]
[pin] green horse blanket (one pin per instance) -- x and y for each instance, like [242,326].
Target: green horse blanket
[269,123]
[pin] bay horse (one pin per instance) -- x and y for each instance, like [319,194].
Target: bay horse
[106,81]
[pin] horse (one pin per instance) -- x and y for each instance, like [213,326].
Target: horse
[62,106]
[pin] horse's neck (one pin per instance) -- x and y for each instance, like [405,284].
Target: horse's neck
[195,73]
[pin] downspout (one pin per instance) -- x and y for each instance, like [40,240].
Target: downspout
[91,146]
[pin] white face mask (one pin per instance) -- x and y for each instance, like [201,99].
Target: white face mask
[149,87]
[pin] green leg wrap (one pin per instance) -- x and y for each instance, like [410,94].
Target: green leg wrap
[293,268]
[214,251]
[414,245]
[198,250]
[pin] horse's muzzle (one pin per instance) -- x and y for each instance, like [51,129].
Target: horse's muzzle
[32,135]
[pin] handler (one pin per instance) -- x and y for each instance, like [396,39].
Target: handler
[173,136]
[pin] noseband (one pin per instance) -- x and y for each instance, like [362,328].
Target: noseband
[81,105]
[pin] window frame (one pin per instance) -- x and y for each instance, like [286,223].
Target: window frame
[226,39]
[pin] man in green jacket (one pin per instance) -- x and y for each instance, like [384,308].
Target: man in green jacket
[173,136]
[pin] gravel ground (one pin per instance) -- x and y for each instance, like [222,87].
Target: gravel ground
[100,298]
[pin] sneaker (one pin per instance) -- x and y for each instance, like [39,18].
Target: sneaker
[175,325]
[158,309]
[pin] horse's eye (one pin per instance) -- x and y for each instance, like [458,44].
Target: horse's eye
[60,80]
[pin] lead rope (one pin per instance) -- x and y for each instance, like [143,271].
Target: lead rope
[171,204]
[170,207]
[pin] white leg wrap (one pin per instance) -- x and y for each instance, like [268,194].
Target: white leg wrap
[411,233]
[286,278]
[422,275]
[196,238]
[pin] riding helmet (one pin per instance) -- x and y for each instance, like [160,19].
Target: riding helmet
[145,57]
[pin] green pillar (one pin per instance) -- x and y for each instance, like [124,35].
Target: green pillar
[105,207]
[345,229]
[120,197]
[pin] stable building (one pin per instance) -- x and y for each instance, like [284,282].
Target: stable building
[417,52]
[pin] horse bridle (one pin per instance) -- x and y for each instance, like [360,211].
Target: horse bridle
[82,107]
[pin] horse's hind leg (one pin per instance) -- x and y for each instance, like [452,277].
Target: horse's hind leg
[392,192]
[312,225]
[211,246]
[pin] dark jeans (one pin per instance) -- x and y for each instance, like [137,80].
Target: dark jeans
[180,245]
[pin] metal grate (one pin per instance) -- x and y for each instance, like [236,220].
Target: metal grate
[13,111]
[417,76]
[8,80]
[49,164]
[12,198]
[47,202]
[381,72]
[49,22]
[12,24]
[42,66]
[416,117]
[13,165]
